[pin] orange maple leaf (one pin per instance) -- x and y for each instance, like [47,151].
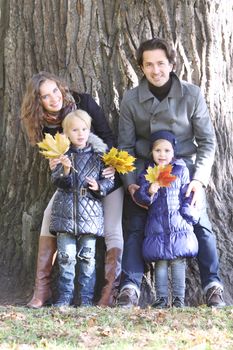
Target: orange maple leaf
[165,177]
[160,174]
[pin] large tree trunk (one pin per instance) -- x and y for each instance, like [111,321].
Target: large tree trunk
[92,45]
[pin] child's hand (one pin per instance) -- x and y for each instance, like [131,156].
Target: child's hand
[154,188]
[66,162]
[53,162]
[93,184]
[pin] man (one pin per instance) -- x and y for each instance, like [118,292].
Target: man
[163,102]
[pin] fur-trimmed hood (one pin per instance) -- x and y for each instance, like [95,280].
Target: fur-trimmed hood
[97,143]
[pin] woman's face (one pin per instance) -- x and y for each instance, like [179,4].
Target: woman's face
[50,96]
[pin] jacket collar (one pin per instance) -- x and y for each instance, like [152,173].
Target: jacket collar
[74,149]
[178,161]
[95,144]
[145,94]
[175,161]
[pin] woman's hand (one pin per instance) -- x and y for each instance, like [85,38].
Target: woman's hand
[109,172]
[93,184]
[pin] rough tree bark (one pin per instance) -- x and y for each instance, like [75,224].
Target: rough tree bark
[92,45]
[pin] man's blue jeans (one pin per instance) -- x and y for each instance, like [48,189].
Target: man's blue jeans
[134,218]
[207,253]
[71,248]
[133,264]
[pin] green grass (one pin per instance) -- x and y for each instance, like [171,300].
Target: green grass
[199,328]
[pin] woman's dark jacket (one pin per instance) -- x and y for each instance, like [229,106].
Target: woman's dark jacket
[99,125]
[169,231]
[77,209]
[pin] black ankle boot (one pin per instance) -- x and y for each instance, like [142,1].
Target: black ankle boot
[160,303]
[178,302]
[63,301]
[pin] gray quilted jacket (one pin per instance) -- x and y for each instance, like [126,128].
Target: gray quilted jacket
[77,209]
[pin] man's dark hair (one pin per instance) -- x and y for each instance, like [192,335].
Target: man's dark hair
[153,44]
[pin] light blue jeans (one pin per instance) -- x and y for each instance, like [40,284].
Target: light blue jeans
[80,249]
[178,267]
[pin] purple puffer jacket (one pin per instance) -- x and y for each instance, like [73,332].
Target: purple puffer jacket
[169,231]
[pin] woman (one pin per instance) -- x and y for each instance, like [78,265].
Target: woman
[46,102]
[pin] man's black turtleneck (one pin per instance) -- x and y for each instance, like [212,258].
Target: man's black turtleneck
[162,91]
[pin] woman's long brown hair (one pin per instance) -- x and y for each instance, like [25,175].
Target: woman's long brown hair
[32,112]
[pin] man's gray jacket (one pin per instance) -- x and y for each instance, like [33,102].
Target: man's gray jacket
[183,112]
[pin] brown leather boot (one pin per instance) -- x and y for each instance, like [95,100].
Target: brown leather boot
[46,257]
[112,277]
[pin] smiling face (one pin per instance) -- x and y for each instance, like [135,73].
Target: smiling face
[162,152]
[156,67]
[78,132]
[51,96]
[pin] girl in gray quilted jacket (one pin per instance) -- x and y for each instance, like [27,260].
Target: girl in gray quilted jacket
[77,212]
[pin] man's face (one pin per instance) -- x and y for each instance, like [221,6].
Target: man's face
[156,67]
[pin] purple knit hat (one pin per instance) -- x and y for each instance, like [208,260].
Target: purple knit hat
[163,135]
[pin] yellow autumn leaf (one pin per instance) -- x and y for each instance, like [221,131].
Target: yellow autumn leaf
[54,147]
[122,161]
[160,174]
[152,174]
[108,157]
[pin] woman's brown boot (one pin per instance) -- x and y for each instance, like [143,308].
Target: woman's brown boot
[112,277]
[46,257]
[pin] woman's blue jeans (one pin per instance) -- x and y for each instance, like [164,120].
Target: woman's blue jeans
[82,250]
[177,278]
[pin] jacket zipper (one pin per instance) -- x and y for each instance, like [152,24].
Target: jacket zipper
[75,193]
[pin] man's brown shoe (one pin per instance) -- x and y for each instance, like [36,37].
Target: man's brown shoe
[214,297]
[127,298]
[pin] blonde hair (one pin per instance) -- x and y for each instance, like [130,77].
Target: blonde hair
[78,114]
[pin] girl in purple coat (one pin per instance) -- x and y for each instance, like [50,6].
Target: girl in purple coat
[169,236]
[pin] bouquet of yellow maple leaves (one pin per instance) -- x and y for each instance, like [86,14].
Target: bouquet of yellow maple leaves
[160,174]
[122,161]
